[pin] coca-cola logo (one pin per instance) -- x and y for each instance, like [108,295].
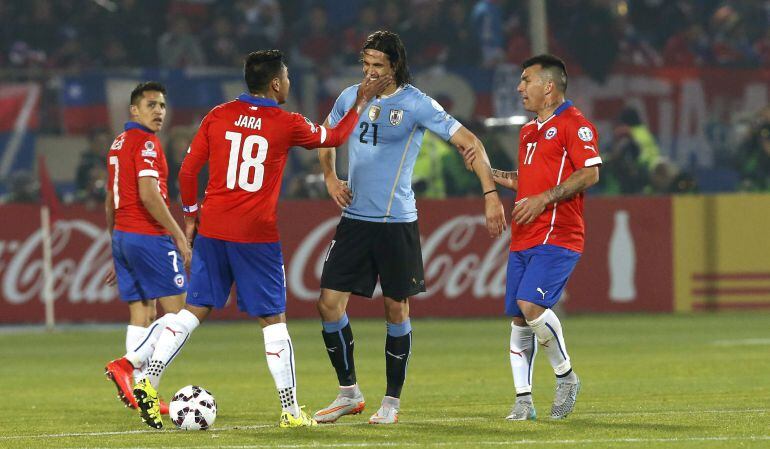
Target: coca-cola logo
[78,274]
[453,265]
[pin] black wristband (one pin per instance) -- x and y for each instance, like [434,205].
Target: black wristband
[490,191]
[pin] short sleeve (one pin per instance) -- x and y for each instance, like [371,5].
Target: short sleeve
[148,157]
[305,133]
[582,144]
[431,115]
[344,102]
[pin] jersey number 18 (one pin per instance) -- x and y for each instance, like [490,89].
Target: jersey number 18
[248,180]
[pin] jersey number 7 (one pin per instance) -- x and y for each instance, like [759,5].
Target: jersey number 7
[248,180]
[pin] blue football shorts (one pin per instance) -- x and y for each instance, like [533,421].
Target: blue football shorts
[537,275]
[147,266]
[256,268]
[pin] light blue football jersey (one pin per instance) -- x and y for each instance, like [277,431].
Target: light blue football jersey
[383,149]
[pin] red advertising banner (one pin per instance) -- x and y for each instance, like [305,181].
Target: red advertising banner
[464,268]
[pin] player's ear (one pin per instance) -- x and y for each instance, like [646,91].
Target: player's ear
[133,109]
[276,84]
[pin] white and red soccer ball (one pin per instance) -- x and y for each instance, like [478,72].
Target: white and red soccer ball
[193,408]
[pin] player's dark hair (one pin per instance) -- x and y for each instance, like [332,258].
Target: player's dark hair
[552,64]
[390,44]
[260,68]
[148,86]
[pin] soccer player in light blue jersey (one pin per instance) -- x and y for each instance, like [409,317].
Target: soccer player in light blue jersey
[378,235]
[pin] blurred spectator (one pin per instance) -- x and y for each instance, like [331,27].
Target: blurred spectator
[622,172]
[687,48]
[315,46]
[178,47]
[259,24]
[91,173]
[221,48]
[458,36]
[423,51]
[487,21]
[649,153]
[21,187]
[428,173]
[667,178]
[753,158]
[355,35]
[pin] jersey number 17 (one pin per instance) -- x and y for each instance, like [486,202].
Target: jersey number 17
[243,156]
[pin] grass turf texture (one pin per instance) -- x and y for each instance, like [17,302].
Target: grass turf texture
[649,381]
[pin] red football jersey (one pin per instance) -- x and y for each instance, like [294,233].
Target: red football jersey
[549,153]
[246,143]
[135,153]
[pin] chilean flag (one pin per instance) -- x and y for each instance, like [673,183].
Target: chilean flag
[83,104]
[19,119]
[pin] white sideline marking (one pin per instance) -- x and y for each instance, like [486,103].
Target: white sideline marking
[743,342]
[481,443]
[423,421]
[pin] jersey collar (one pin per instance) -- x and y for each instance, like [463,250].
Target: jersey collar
[257,101]
[563,107]
[134,125]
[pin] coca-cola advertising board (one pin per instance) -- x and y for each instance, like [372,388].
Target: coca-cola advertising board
[464,267]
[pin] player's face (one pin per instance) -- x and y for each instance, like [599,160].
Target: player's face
[532,88]
[377,64]
[151,110]
[284,86]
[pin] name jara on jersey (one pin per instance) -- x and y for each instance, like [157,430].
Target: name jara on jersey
[247,121]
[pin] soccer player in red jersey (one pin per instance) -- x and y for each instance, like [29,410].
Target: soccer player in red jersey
[558,160]
[246,143]
[149,249]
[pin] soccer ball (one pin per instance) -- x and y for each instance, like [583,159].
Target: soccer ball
[193,408]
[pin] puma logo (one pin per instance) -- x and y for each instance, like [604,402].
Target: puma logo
[539,290]
[150,162]
[590,147]
[520,354]
[172,331]
[331,349]
[277,354]
[396,356]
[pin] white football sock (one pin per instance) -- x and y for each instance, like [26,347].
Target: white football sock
[173,336]
[134,336]
[547,328]
[523,352]
[280,360]
[140,353]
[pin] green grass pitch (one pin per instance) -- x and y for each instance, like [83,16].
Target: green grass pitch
[649,381]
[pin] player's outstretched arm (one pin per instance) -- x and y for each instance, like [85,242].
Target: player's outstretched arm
[153,202]
[529,208]
[466,141]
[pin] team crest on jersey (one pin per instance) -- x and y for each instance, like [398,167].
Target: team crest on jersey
[179,280]
[118,143]
[149,145]
[550,133]
[374,112]
[585,134]
[395,116]
[311,124]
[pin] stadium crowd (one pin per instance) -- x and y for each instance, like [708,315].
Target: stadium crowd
[594,36]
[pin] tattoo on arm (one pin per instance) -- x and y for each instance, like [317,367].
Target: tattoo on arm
[573,185]
[505,174]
